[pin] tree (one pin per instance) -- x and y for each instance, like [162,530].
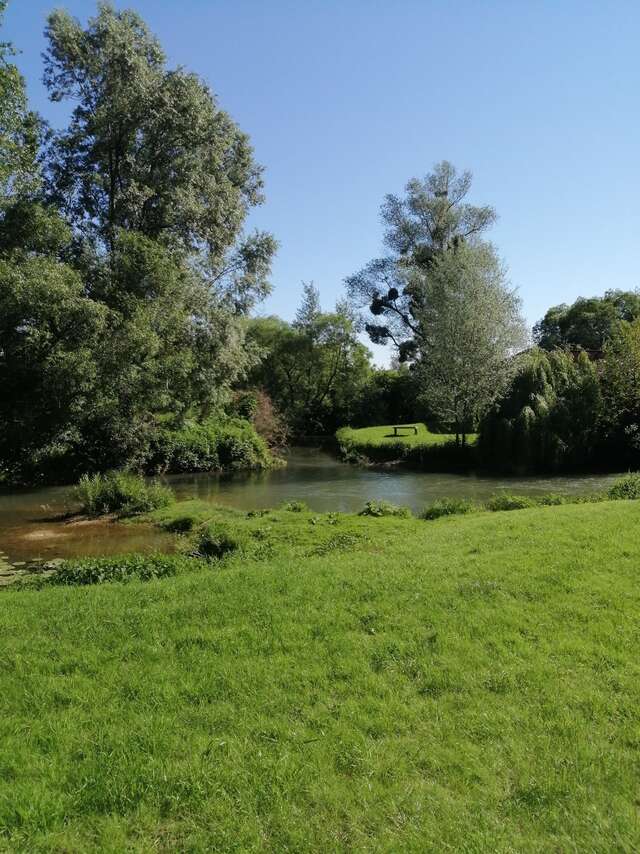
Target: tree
[148,150]
[313,369]
[469,328]
[126,319]
[19,127]
[49,334]
[430,220]
[588,324]
[621,392]
[548,418]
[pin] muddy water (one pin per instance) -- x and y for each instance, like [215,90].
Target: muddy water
[29,529]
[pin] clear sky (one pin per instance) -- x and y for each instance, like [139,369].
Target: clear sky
[345,100]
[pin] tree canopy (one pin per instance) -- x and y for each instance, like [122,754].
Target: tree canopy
[587,324]
[432,218]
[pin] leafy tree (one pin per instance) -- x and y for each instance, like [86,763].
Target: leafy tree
[126,320]
[148,150]
[314,369]
[19,127]
[469,328]
[548,419]
[431,219]
[588,324]
[49,333]
[621,392]
[390,397]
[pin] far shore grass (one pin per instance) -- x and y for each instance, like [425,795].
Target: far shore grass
[338,683]
[384,435]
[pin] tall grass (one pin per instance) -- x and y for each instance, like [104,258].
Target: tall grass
[120,492]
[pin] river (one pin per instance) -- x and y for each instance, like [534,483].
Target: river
[29,529]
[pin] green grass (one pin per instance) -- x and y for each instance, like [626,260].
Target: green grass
[361,684]
[422,450]
[376,437]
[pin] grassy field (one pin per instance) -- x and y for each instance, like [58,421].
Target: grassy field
[347,684]
[376,437]
[422,450]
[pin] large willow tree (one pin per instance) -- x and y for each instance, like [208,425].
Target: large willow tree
[122,282]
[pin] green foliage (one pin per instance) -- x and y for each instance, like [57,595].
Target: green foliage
[20,129]
[470,327]
[626,487]
[314,370]
[216,540]
[295,507]
[337,701]
[389,397]
[588,324]
[384,508]
[548,419]
[215,445]
[432,219]
[119,568]
[507,501]
[448,507]
[120,492]
[131,318]
[423,450]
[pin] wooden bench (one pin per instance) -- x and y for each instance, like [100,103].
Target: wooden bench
[405,427]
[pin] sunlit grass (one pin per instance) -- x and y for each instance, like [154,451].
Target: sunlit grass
[384,435]
[360,684]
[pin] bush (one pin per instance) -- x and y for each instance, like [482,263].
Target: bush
[448,507]
[384,508]
[214,541]
[119,568]
[120,492]
[210,446]
[178,524]
[296,507]
[506,501]
[552,499]
[627,487]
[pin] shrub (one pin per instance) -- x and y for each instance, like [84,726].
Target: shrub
[295,507]
[120,568]
[178,525]
[506,501]
[120,492]
[448,507]
[214,541]
[625,487]
[209,446]
[384,508]
[552,499]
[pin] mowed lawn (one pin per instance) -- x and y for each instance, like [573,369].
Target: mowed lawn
[468,684]
[376,437]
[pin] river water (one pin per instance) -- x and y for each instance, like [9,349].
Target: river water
[29,529]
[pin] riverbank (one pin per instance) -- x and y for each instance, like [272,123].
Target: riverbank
[389,683]
[312,476]
[412,446]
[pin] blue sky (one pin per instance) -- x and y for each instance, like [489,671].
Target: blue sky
[345,100]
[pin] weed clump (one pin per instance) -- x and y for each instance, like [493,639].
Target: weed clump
[384,508]
[214,541]
[121,492]
[295,507]
[448,507]
[119,568]
[627,487]
[507,501]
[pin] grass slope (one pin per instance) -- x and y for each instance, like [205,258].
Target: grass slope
[467,684]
